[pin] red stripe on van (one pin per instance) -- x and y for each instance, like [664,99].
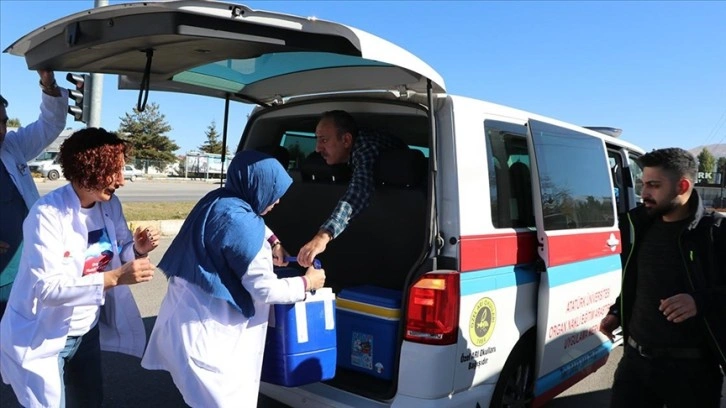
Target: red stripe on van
[544,398]
[491,251]
[565,249]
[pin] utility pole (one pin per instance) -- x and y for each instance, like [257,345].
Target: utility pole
[94,119]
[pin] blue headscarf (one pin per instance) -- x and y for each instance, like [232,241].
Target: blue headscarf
[224,231]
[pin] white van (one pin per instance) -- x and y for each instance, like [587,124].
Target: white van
[47,157]
[499,227]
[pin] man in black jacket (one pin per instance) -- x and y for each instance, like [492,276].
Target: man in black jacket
[672,306]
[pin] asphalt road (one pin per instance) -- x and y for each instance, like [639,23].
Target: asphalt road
[148,190]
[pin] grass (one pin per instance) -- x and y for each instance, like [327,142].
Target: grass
[147,211]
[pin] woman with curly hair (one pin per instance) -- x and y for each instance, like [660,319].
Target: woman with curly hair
[70,298]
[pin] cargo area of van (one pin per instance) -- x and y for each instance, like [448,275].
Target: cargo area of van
[386,244]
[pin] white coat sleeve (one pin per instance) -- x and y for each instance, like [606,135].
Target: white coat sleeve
[264,286]
[56,277]
[124,236]
[32,139]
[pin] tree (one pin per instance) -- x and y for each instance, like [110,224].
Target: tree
[706,161]
[721,164]
[146,132]
[14,123]
[721,168]
[213,144]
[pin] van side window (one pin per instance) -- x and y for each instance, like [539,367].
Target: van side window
[615,160]
[574,182]
[636,171]
[510,184]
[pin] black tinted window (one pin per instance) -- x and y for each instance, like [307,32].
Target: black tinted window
[574,182]
[510,184]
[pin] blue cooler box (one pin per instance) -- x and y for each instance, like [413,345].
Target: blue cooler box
[368,319]
[300,345]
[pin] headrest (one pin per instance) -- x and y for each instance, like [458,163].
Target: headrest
[314,168]
[279,152]
[401,168]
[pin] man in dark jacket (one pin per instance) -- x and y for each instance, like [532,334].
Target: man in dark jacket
[672,306]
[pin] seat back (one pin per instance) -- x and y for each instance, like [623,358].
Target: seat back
[382,243]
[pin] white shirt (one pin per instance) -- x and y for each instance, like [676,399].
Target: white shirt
[85,317]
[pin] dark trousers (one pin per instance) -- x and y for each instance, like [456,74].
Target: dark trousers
[80,368]
[642,382]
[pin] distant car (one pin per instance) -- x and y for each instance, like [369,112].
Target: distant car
[36,165]
[51,171]
[132,173]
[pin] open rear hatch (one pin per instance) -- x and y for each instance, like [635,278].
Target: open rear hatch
[215,49]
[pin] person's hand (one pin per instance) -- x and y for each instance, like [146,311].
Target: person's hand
[136,271]
[4,247]
[146,239]
[315,278]
[608,324]
[316,246]
[47,77]
[278,255]
[47,82]
[678,308]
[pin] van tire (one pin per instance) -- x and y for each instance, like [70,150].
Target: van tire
[515,387]
[53,175]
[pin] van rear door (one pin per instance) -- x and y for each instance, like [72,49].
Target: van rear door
[579,244]
[219,49]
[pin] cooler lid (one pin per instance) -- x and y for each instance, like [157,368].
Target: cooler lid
[373,295]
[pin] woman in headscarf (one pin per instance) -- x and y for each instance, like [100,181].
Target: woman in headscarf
[211,328]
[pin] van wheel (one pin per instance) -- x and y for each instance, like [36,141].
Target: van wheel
[515,387]
[53,175]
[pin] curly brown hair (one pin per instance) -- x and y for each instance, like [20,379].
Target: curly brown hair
[90,158]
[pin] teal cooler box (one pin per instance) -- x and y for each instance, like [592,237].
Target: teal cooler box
[368,319]
[300,346]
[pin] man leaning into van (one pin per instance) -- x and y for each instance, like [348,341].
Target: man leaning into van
[672,306]
[338,141]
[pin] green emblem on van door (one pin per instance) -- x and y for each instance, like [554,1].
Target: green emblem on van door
[482,321]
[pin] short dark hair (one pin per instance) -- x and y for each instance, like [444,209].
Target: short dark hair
[674,160]
[3,102]
[343,121]
[90,157]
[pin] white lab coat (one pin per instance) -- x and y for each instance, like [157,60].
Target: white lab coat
[28,142]
[213,352]
[48,286]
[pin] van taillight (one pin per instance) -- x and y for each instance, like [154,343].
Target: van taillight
[433,309]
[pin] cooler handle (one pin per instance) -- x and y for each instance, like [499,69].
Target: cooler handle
[316,265]
[316,261]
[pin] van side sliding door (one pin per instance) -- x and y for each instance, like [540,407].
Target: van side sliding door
[579,245]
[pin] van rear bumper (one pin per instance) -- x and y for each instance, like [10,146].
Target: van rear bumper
[320,395]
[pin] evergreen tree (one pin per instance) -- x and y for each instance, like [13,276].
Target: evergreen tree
[721,167]
[706,161]
[213,144]
[146,132]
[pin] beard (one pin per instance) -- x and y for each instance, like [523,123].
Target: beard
[659,210]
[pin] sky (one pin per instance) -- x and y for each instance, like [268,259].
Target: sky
[657,70]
